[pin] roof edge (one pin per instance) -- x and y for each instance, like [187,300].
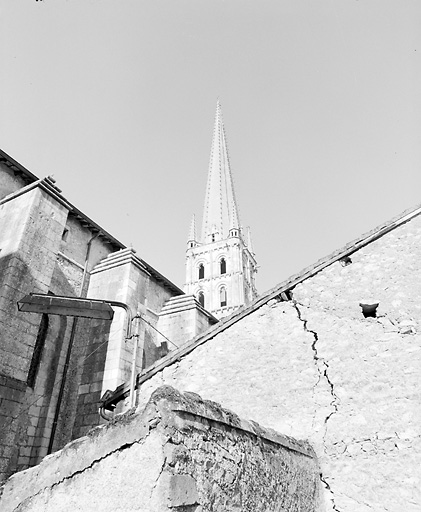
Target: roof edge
[47,186]
[275,293]
[19,167]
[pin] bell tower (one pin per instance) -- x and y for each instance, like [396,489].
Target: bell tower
[220,264]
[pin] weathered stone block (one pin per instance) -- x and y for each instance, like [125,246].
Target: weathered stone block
[182,490]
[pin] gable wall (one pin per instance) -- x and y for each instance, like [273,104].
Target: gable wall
[387,271]
[316,368]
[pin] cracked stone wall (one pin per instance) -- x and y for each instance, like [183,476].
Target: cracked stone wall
[315,368]
[181,454]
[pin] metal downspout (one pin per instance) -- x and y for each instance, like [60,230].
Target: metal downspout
[69,350]
[134,357]
[102,412]
[133,376]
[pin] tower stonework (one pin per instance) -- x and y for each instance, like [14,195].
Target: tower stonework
[220,264]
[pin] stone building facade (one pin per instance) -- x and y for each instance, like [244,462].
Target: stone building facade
[54,369]
[332,355]
[220,263]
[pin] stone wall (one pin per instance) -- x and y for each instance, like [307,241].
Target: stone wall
[79,248]
[123,277]
[316,368]
[52,368]
[108,351]
[182,318]
[43,248]
[181,454]
[29,227]
[30,230]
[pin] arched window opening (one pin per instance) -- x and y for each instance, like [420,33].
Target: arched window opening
[223,266]
[201,299]
[201,271]
[223,296]
[38,349]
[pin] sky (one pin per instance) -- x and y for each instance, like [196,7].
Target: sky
[321,102]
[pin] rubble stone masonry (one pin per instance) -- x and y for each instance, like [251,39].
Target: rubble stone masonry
[180,454]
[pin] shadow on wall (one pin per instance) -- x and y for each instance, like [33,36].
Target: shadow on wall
[33,355]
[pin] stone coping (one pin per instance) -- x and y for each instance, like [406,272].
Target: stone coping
[181,303]
[193,404]
[165,407]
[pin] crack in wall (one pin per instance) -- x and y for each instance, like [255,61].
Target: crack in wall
[75,473]
[321,365]
[81,471]
[322,368]
[329,490]
[161,470]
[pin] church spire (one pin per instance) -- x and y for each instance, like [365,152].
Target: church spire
[221,266]
[220,211]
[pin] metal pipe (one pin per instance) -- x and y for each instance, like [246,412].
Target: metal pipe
[132,399]
[104,415]
[69,351]
[130,318]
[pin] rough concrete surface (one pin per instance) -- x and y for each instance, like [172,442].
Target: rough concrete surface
[182,454]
